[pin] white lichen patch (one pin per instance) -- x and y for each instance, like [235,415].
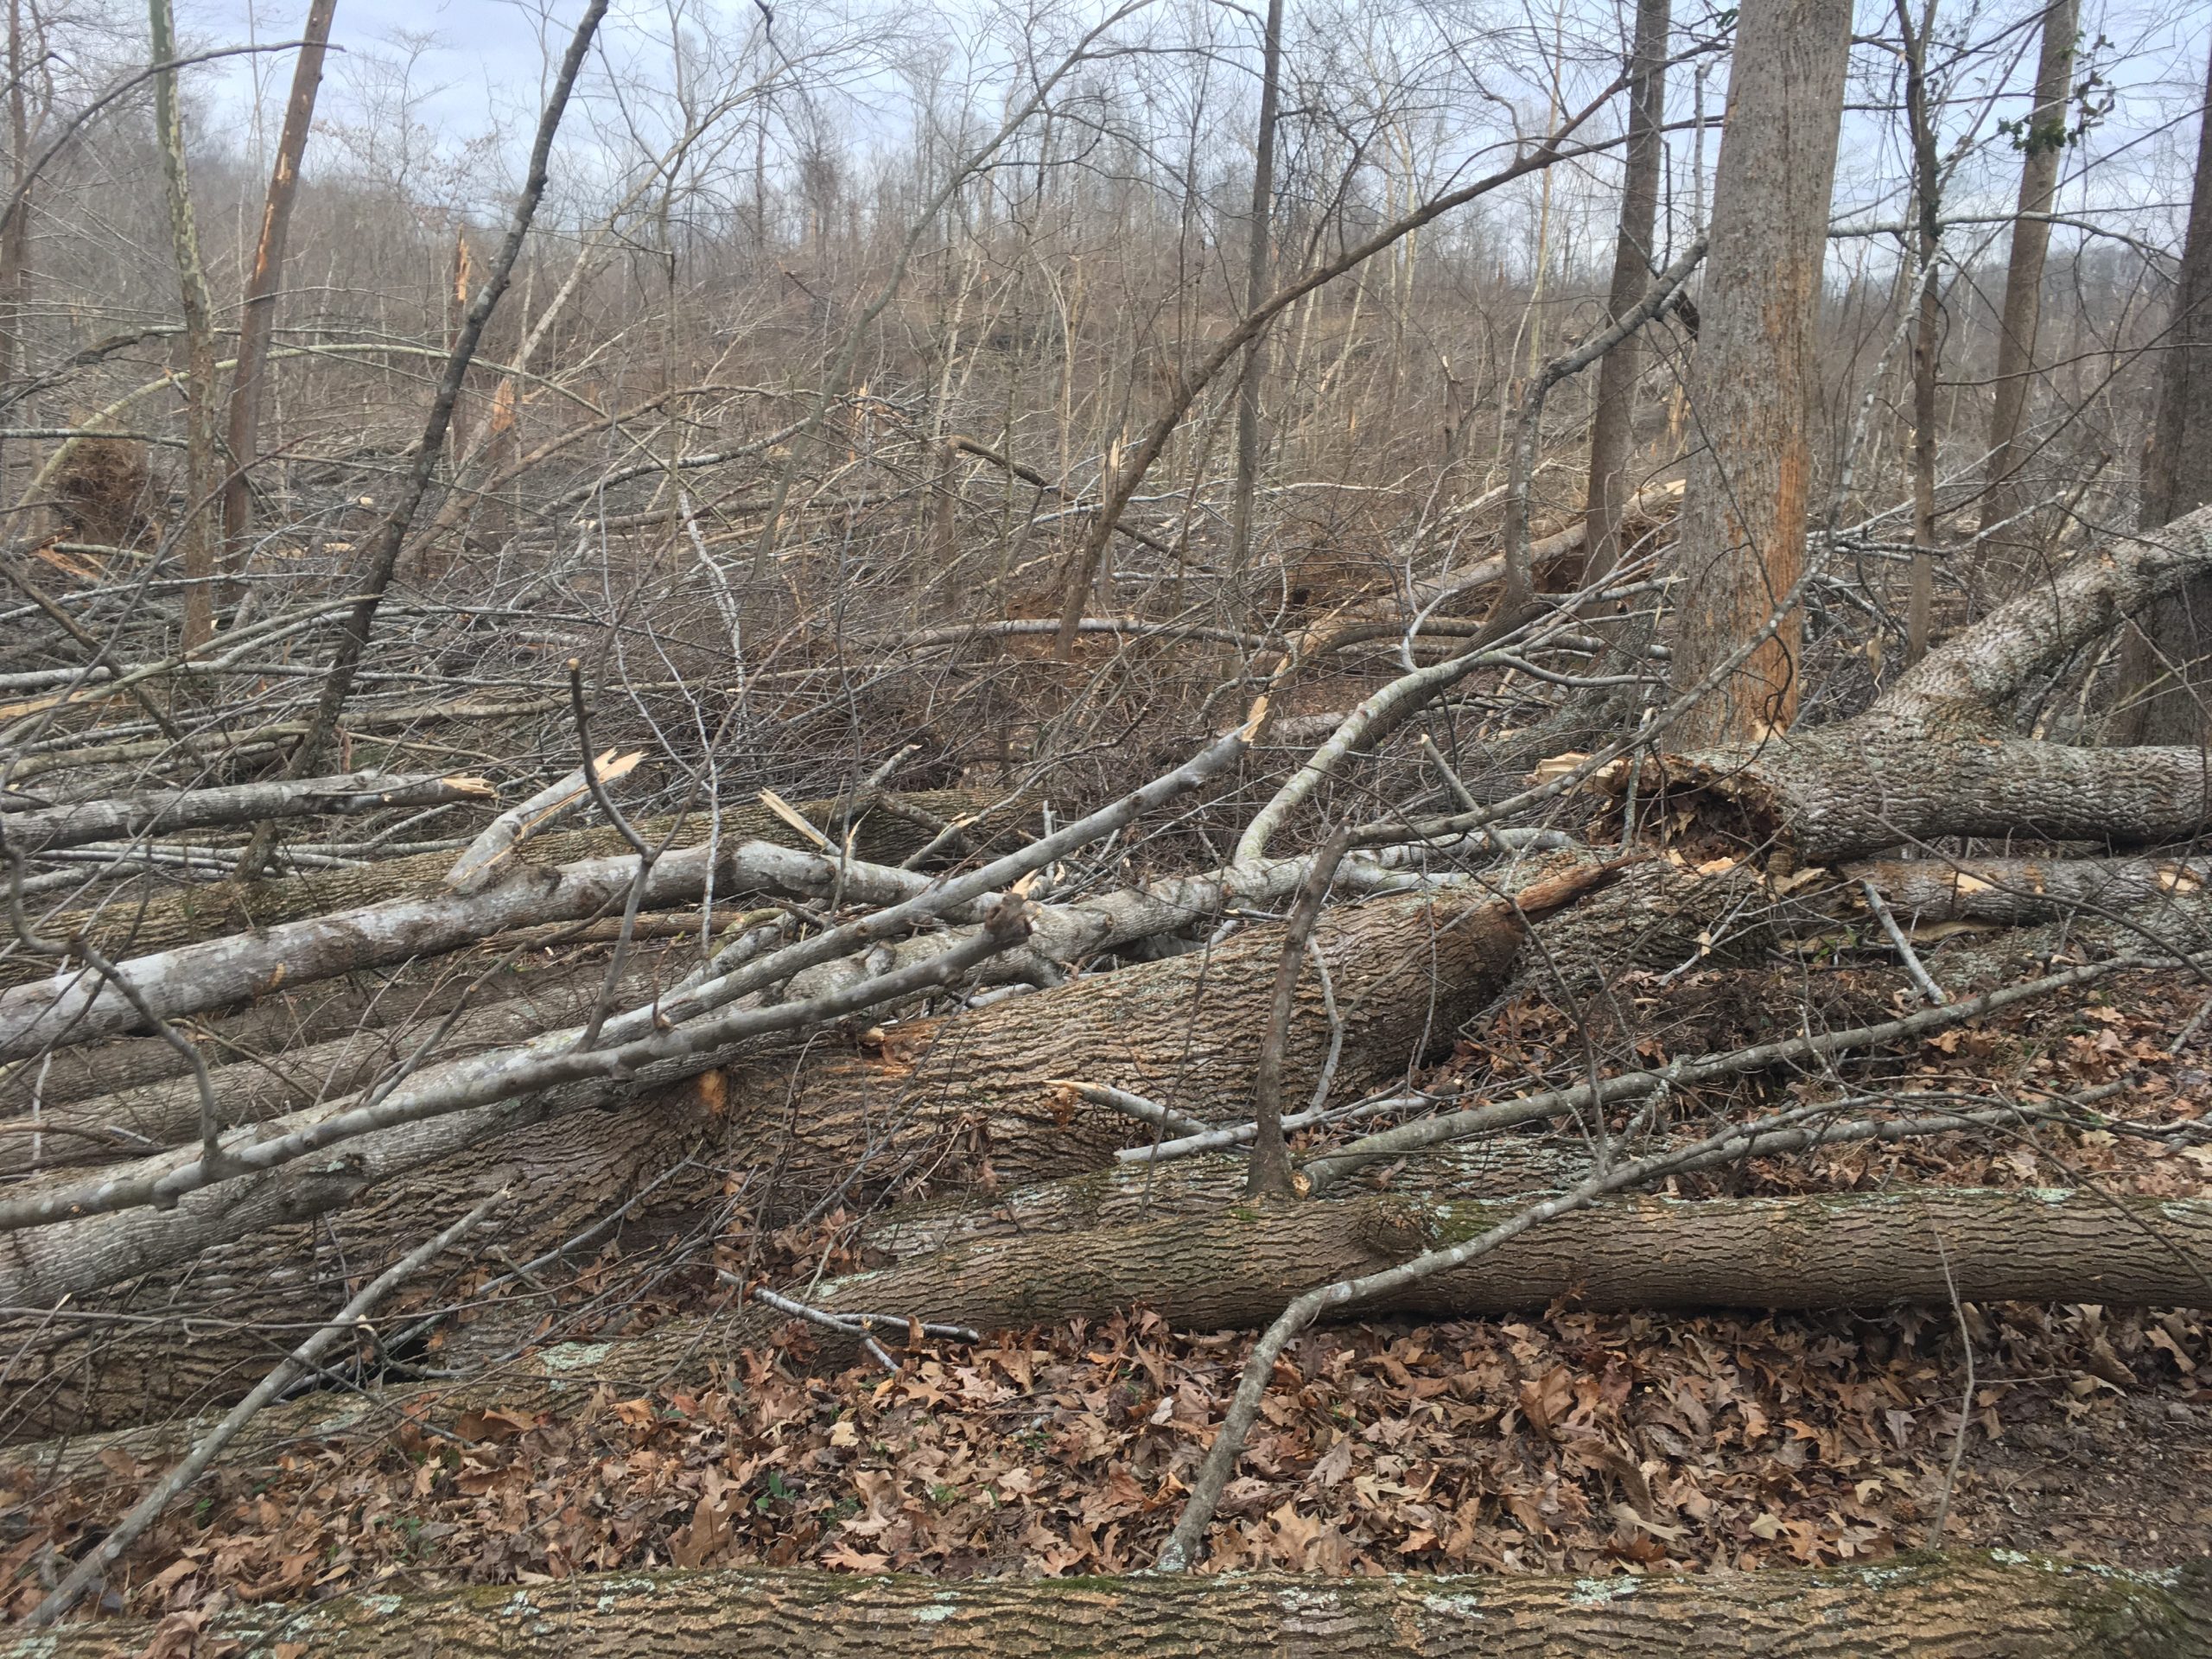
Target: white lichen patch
[1466,1607]
[574,1355]
[1596,1593]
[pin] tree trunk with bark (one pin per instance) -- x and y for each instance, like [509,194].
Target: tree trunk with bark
[884,833]
[1934,756]
[190,1334]
[1741,536]
[2001,1604]
[2164,687]
[2042,146]
[1612,422]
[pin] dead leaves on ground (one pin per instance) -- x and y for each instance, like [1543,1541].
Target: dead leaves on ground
[1576,1443]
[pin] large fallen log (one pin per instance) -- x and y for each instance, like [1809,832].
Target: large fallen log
[1237,1267]
[970,1099]
[1997,1605]
[182,1337]
[2014,891]
[977,1099]
[1848,790]
[1936,756]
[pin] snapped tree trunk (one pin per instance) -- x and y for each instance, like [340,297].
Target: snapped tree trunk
[257,316]
[2001,1605]
[1936,757]
[1741,536]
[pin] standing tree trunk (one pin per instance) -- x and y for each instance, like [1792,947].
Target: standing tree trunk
[2041,147]
[1920,605]
[1613,427]
[2164,682]
[258,321]
[200,339]
[1255,294]
[1742,534]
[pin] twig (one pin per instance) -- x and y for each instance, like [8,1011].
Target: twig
[1136,1106]
[855,1325]
[295,1364]
[1914,967]
[1966,1401]
[1271,1174]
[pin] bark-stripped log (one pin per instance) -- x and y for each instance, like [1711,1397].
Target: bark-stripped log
[161,811]
[881,834]
[1999,1604]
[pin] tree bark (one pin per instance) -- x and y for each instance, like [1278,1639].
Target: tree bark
[975,1099]
[879,837]
[1847,792]
[1741,537]
[2164,682]
[1236,1267]
[2015,890]
[1934,756]
[2000,1604]
[197,1332]
[159,811]
[1927,343]
[77,1005]
[2041,148]
[258,316]
[1258,261]
[201,477]
[296,1073]
[1613,423]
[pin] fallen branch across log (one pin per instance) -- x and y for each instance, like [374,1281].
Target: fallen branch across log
[2001,1605]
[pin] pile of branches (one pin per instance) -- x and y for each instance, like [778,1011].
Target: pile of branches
[1050,1068]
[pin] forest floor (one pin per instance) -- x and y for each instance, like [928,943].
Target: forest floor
[1571,1442]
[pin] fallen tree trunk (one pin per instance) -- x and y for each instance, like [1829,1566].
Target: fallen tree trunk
[1844,792]
[167,810]
[1936,756]
[2015,890]
[79,1004]
[131,1120]
[2001,1605]
[970,1099]
[975,1100]
[200,1332]
[1236,1267]
[298,1016]
[882,834]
